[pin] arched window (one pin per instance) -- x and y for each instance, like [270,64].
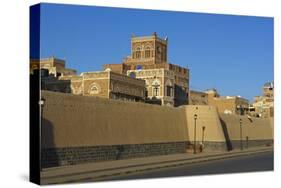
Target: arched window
[94,89]
[138,53]
[147,52]
[156,88]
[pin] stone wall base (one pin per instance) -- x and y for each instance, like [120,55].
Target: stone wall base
[250,143]
[52,157]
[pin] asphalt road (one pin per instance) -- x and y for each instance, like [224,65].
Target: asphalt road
[254,162]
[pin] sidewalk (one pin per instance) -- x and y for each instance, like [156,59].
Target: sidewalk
[98,170]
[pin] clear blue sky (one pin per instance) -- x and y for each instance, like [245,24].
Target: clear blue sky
[231,53]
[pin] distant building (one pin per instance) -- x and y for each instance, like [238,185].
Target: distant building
[228,104]
[166,83]
[198,98]
[105,84]
[263,106]
[224,104]
[55,67]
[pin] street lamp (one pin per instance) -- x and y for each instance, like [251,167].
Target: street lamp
[241,144]
[194,149]
[41,104]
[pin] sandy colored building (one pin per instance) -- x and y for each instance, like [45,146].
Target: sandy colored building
[228,104]
[56,67]
[198,98]
[225,104]
[106,84]
[263,106]
[166,83]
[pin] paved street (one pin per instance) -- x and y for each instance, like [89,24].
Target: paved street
[254,162]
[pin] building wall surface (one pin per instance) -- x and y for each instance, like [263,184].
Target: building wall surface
[150,53]
[79,129]
[157,78]
[231,105]
[258,130]
[104,84]
[90,121]
[198,98]
[207,116]
[54,65]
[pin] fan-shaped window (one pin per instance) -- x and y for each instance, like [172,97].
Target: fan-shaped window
[155,82]
[94,89]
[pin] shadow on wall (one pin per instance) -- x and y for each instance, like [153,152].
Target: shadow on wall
[226,135]
[49,154]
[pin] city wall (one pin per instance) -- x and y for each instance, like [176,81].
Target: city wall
[255,131]
[79,129]
[213,135]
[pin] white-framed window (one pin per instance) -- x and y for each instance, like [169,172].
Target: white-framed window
[156,87]
[138,53]
[147,52]
[155,91]
[94,89]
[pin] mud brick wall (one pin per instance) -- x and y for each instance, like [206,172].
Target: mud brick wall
[258,131]
[77,129]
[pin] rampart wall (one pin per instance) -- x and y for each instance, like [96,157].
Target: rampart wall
[207,116]
[79,129]
[255,131]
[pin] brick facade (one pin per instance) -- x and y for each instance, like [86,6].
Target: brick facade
[149,60]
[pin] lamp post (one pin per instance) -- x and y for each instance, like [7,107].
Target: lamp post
[194,149]
[41,104]
[241,144]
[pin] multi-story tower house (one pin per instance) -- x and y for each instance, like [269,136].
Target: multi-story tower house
[263,106]
[166,83]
